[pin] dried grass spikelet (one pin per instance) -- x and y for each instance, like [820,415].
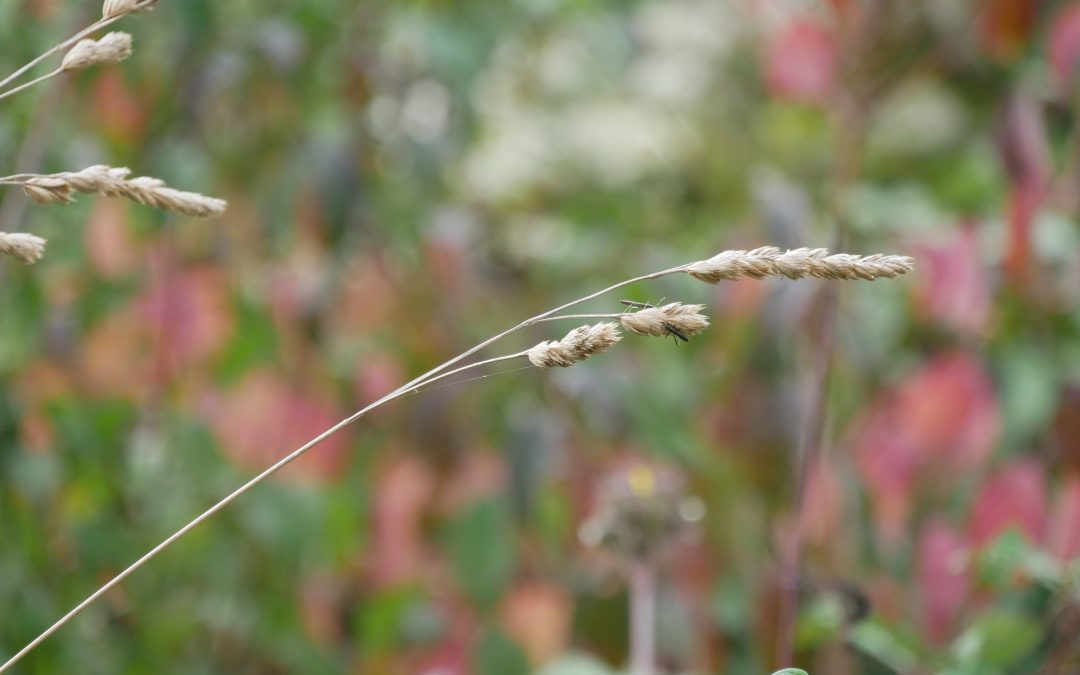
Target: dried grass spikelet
[59,188]
[671,319]
[25,248]
[796,264]
[114,8]
[578,345]
[112,48]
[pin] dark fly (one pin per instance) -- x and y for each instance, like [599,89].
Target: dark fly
[671,329]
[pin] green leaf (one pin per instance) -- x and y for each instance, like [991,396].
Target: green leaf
[819,623]
[1010,555]
[1000,559]
[498,655]
[1029,397]
[481,542]
[790,671]
[882,643]
[998,639]
[576,664]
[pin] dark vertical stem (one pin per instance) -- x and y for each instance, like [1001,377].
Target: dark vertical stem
[810,450]
[849,118]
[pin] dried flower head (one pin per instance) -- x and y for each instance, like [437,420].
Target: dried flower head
[672,319]
[578,345]
[642,510]
[26,248]
[115,8]
[113,48]
[796,264]
[114,182]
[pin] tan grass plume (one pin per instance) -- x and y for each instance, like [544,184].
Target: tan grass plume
[60,188]
[796,264]
[578,345]
[671,319]
[116,8]
[25,248]
[110,49]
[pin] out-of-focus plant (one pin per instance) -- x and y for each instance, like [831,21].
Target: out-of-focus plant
[641,512]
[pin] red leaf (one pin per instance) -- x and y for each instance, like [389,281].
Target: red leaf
[800,62]
[1064,48]
[949,410]
[1004,26]
[1014,497]
[943,581]
[943,416]
[953,287]
[1066,428]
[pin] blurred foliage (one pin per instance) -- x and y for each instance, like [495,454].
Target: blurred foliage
[408,178]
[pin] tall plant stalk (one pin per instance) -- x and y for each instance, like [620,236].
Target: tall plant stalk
[642,618]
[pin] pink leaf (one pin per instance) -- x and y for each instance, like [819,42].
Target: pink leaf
[264,418]
[888,462]
[110,248]
[189,317]
[800,62]
[943,417]
[1014,497]
[403,491]
[538,616]
[823,508]
[953,287]
[943,581]
[1064,538]
[1064,48]
[376,376]
[949,410]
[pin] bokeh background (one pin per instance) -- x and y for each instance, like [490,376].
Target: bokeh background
[408,178]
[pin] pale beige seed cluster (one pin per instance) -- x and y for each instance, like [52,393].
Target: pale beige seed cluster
[110,49]
[60,188]
[578,345]
[796,264]
[671,319]
[115,8]
[25,248]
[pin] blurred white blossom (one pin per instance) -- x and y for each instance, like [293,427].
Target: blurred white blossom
[621,140]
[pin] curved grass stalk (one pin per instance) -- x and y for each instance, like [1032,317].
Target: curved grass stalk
[427,378]
[728,265]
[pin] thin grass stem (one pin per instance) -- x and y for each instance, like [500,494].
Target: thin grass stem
[86,32]
[429,376]
[31,83]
